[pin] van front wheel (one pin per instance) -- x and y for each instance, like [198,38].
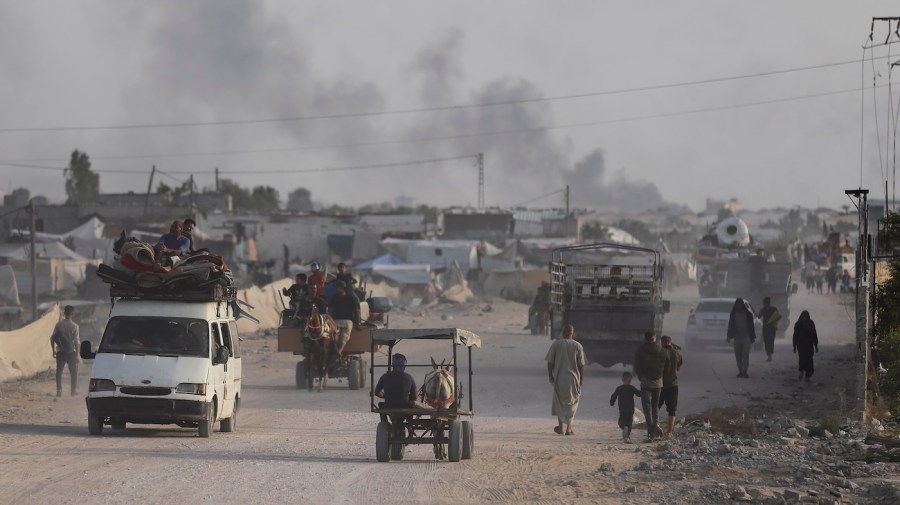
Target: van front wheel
[206,426]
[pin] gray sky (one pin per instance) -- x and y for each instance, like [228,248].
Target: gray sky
[113,63]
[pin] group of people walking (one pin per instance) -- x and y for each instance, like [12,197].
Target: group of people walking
[656,365]
[742,333]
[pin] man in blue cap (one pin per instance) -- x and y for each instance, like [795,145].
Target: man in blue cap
[397,387]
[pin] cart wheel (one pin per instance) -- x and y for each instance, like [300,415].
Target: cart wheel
[363,373]
[383,442]
[353,375]
[454,445]
[468,439]
[397,450]
[301,374]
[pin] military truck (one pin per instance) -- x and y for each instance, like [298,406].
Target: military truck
[611,293]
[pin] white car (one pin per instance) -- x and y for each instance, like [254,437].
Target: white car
[708,323]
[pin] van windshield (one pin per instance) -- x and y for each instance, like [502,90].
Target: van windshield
[156,336]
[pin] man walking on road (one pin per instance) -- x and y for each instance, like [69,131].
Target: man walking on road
[649,363]
[742,331]
[64,342]
[565,365]
[770,318]
[669,394]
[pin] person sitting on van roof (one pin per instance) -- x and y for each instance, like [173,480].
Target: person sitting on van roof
[174,243]
[188,231]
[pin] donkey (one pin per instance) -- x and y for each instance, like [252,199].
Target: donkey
[439,387]
[319,332]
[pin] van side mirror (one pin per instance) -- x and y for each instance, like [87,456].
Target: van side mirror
[222,354]
[666,306]
[794,288]
[85,350]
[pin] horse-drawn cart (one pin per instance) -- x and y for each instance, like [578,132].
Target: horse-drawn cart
[452,436]
[319,361]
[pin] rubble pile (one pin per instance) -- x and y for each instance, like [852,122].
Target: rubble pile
[782,463]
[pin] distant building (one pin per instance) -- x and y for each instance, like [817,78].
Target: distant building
[476,224]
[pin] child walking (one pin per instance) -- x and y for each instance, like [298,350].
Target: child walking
[625,394]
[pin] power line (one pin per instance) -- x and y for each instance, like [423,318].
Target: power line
[423,109]
[17,163]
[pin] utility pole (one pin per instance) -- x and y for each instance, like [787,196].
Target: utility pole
[191,211]
[217,179]
[33,257]
[480,180]
[863,285]
[149,189]
[567,211]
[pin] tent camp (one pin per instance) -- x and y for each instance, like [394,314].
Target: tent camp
[58,267]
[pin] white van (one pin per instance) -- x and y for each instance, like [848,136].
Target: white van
[166,361]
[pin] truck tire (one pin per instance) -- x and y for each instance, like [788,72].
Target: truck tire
[383,442]
[353,375]
[95,424]
[454,444]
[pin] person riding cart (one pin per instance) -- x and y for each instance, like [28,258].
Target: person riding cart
[397,387]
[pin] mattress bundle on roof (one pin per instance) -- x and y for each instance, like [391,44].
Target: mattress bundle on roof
[136,269]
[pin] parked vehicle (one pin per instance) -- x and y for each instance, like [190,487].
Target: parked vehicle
[611,293]
[167,358]
[708,323]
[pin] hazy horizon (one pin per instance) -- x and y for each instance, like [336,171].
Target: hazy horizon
[633,106]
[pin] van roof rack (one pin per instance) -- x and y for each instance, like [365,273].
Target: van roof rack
[214,293]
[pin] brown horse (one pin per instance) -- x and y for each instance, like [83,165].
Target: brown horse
[319,332]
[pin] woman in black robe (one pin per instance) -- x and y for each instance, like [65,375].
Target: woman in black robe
[806,343]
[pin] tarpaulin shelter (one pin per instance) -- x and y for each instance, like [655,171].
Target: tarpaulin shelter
[386,259]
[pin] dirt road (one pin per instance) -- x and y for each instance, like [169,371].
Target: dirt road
[292,446]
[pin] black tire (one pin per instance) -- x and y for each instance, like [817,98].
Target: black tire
[301,375]
[228,425]
[397,451]
[468,439]
[454,444]
[383,442]
[95,424]
[363,373]
[353,375]
[206,426]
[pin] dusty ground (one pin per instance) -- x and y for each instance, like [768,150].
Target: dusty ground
[293,445]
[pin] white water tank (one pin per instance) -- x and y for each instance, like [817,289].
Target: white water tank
[733,231]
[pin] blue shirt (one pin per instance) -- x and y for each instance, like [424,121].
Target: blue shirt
[182,244]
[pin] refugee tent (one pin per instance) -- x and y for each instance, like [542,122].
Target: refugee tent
[10,306]
[58,267]
[387,259]
[404,274]
[26,351]
[440,254]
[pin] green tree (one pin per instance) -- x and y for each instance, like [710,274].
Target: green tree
[82,184]
[299,200]
[594,231]
[887,318]
[265,198]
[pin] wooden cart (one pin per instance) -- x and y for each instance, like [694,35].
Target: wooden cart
[452,436]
